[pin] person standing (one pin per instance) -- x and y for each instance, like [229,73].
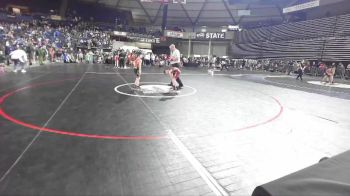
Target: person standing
[175,56]
[90,57]
[52,54]
[2,60]
[243,64]
[137,63]
[314,68]
[213,62]
[300,71]
[289,67]
[224,65]
[19,58]
[332,73]
[129,59]
[122,59]
[153,59]
[41,55]
[7,52]
[116,60]
[30,52]
[322,68]
[147,59]
[342,71]
[80,56]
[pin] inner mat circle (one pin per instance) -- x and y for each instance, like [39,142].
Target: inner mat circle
[336,85]
[154,90]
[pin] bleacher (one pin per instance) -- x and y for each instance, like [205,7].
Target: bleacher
[296,49]
[314,39]
[254,35]
[304,30]
[343,25]
[337,49]
[291,31]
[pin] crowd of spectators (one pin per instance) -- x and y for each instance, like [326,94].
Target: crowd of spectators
[51,40]
[60,41]
[313,68]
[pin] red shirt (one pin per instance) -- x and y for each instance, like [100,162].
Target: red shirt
[137,63]
[322,66]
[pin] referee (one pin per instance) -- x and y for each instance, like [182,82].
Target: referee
[174,58]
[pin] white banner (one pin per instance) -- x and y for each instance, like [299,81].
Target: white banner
[209,35]
[179,1]
[301,6]
[174,34]
[120,33]
[55,17]
[144,40]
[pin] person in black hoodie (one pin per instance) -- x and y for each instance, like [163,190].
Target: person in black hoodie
[300,71]
[30,51]
[7,52]
[122,59]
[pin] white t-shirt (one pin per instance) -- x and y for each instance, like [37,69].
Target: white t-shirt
[147,57]
[175,54]
[20,55]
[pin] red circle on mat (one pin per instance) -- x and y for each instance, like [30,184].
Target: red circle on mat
[97,136]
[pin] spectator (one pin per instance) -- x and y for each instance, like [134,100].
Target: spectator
[52,54]
[41,55]
[80,56]
[213,62]
[332,73]
[90,57]
[322,68]
[147,59]
[7,52]
[342,71]
[30,52]
[243,64]
[300,71]
[116,60]
[2,60]
[153,58]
